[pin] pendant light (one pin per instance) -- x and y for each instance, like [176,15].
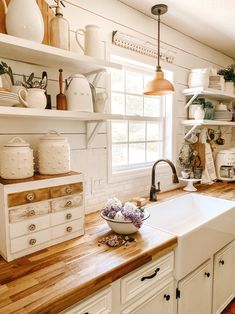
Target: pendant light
[158,86]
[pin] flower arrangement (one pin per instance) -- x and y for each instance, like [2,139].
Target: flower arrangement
[114,209]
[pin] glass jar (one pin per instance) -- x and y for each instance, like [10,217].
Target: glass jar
[209,111]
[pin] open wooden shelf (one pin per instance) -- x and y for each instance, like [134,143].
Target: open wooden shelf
[211,93]
[15,112]
[207,122]
[31,52]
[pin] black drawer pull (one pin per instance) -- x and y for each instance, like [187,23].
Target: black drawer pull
[167,297]
[221,262]
[207,274]
[151,276]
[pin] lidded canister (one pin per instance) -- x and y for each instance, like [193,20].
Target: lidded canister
[53,154]
[16,160]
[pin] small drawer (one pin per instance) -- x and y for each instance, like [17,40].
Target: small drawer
[67,202]
[27,197]
[68,228]
[138,281]
[29,211]
[29,226]
[100,303]
[64,190]
[29,241]
[66,215]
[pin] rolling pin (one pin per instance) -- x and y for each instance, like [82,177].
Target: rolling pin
[61,101]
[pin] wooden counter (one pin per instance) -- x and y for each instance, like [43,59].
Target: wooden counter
[55,278]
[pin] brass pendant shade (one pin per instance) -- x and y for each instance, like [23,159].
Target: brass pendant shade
[159,86]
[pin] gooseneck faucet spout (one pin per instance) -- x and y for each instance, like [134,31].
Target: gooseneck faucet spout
[154,190]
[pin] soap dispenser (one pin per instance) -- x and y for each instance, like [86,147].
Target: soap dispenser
[59,28]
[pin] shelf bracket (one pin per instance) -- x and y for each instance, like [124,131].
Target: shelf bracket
[91,135]
[191,131]
[191,100]
[97,76]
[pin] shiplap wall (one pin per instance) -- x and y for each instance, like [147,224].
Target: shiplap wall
[93,162]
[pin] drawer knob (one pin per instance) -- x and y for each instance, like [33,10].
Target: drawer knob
[68,216]
[30,197]
[69,229]
[32,241]
[151,276]
[221,262]
[207,274]
[32,227]
[167,297]
[68,204]
[68,190]
[32,213]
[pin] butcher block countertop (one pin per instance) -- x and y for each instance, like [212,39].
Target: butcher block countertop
[57,277]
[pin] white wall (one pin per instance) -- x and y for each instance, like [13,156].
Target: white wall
[113,15]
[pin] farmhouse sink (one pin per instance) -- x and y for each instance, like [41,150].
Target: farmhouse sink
[202,224]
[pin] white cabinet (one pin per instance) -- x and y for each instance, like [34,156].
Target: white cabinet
[196,291]
[157,301]
[147,290]
[100,303]
[40,212]
[224,278]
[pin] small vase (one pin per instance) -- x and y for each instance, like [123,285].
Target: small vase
[199,113]
[24,19]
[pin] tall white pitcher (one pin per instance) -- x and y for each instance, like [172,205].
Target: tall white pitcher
[24,19]
[93,41]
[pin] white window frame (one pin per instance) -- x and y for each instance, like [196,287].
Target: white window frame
[135,172]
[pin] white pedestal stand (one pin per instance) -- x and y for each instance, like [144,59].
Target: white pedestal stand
[190,187]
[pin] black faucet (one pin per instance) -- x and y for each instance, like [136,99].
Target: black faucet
[153,189]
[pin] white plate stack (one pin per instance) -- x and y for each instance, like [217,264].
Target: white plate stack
[206,77]
[222,114]
[9,99]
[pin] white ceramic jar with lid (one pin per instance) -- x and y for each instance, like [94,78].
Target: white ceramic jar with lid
[53,154]
[16,160]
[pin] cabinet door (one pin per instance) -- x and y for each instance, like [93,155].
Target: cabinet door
[224,278]
[159,302]
[100,303]
[196,291]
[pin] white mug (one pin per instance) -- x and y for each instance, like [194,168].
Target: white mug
[100,102]
[33,98]
[93,44]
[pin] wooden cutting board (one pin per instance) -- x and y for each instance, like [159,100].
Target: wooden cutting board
[47,14]
[200,148]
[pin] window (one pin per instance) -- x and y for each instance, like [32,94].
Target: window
[135,144]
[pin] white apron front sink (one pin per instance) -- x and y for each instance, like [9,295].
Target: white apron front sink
[202,224]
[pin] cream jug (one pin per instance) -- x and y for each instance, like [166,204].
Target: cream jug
[33,98]
[24,19]
[93,44]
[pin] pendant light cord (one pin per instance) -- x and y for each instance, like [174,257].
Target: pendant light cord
[158,42]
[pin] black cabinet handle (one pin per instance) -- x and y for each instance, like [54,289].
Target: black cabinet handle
[207,274]
[221,262]
[151,276]
[167,297]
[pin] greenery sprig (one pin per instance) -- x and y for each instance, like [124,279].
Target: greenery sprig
[6,69]
[228,73]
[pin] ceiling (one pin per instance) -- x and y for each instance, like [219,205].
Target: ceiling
[211,22]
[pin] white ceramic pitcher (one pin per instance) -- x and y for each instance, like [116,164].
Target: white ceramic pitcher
[93,44]
[24,19]
[33,98]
